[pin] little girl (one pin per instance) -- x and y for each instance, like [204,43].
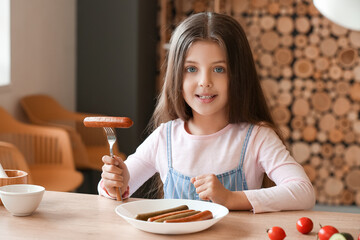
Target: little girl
[214,137]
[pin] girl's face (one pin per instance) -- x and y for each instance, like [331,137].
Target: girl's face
[205,82]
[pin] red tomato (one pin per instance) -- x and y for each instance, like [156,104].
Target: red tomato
[326,232]
[359,237]
[276,233]
[304,225]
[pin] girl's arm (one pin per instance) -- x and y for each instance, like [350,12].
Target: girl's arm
[132,173]
[266,153]
[293,190]
[294,195]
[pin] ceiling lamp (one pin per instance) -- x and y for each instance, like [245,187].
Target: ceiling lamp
[345,13]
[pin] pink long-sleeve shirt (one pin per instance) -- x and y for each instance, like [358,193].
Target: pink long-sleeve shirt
[193,155]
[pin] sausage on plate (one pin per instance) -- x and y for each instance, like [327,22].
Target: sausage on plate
[152,219]
[145,216]
[204,215]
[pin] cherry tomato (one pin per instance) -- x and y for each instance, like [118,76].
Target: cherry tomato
[326,232]
[304,225]
[359,237]
[276,233]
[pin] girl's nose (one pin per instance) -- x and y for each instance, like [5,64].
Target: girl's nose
[205,80]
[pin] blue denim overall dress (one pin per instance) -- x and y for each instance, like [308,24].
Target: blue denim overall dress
[178,186]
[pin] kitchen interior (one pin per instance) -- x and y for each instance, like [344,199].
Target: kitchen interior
[107,58]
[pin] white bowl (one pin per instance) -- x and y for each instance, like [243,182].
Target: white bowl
[128,211]
[21,199]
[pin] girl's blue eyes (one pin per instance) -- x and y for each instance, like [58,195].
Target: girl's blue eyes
[191,69]
[219,70]
[194,69]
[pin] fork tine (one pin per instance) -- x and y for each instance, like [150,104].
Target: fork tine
[110,134]
[107,131]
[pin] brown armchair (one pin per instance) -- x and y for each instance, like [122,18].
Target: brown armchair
[88,144]
[12,158]
[47,151]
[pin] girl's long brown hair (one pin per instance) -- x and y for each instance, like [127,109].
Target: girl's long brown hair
[246,99]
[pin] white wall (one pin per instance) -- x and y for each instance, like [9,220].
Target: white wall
[43,52]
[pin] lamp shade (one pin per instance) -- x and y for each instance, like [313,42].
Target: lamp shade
[345,13]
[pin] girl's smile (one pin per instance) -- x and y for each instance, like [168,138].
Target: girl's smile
[205,82]
[205,98]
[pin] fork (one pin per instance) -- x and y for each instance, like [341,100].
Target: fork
[111,138]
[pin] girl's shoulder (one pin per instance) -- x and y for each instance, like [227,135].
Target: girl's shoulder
[255,131]
[170,122]
[265,131]
[164,127]
[254,128]
[263,127]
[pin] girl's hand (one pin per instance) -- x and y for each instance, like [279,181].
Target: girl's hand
[115,174]
[209,187]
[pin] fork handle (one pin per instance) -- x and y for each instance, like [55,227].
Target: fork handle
[118,194]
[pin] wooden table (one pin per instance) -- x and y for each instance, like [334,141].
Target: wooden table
[84,216]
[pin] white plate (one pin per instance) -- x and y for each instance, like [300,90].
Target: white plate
[128,211]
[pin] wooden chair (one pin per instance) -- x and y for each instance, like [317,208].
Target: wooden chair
[88,144]
[12,158]
[47,151]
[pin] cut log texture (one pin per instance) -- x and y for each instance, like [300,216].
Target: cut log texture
[328,47]
[269,40]
[297,123]
[283,56]
[303,68]
[333,187]
[355,92]
[285,24]
[301,152]
[309,69]
[281,115]
[302,24]
[347,57]
[347,197]
[309,133]
[341,106]
[352,180]
[321,101]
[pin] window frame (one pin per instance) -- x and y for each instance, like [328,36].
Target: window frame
[5,45]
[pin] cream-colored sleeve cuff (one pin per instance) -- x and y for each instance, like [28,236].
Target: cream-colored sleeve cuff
[103,192]
[254,203]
